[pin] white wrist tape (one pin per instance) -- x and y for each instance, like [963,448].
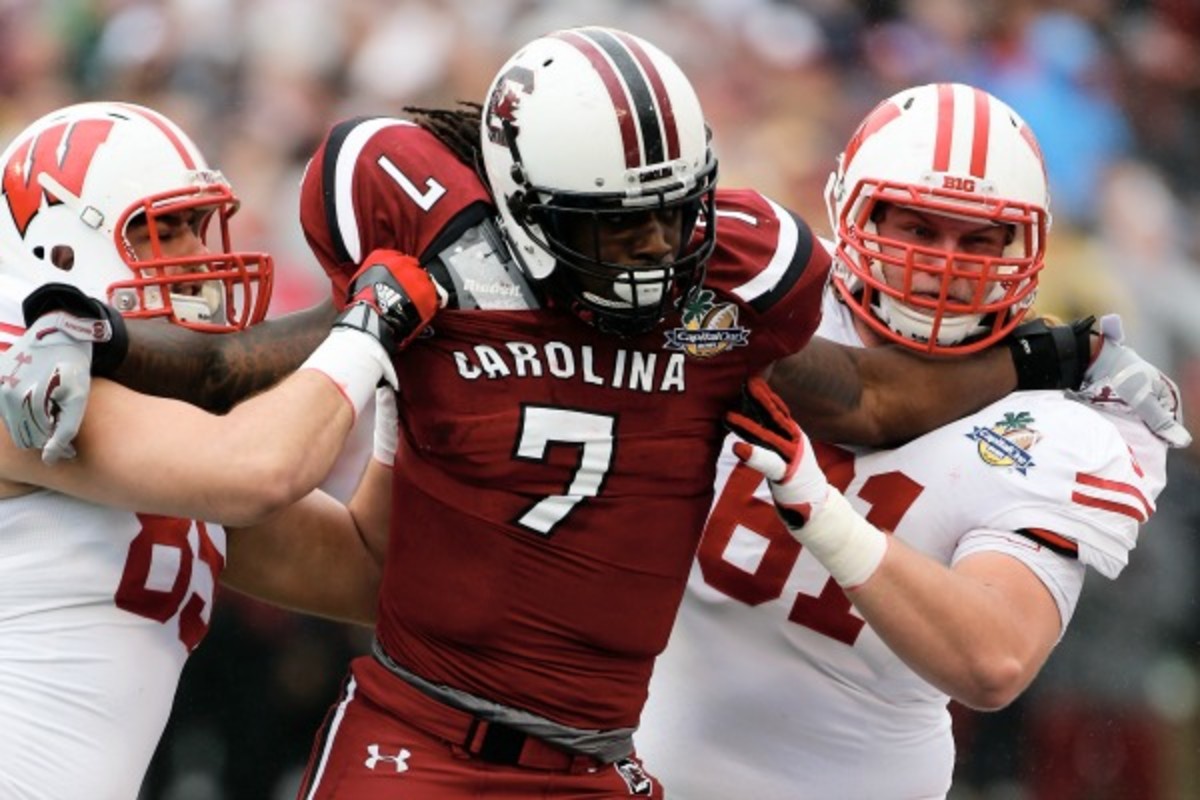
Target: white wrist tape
[387,425]
[353,360]
[846,544]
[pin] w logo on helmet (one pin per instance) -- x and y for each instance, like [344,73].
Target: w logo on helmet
[63,152]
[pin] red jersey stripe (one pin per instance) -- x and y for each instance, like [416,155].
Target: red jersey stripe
[1116,486]
[1133,460]
[1109,505]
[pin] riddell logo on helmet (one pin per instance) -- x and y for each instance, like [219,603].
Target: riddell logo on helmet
[76,142]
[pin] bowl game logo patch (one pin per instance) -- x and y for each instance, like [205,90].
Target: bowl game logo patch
[709,329]
[1008,442]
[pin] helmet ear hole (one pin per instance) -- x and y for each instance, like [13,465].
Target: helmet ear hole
[519,207]
[63,257]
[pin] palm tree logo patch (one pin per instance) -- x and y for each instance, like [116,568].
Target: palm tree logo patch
[1008,442]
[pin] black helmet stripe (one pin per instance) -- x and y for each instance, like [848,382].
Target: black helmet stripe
[658,89]
[650,112]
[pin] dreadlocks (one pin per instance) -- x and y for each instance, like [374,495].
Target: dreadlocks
[458,129]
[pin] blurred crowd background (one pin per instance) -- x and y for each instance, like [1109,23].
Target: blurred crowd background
[1112,88]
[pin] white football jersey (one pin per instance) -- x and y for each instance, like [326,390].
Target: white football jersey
[99,609]
[773,687]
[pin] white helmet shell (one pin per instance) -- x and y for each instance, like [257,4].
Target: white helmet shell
[957,151]
[74,179]
[596,120]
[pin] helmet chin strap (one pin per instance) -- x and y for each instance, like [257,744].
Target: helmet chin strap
[207,306]
[918,326]
[88,215]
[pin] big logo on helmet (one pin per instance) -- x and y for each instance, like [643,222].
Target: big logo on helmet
[64,152]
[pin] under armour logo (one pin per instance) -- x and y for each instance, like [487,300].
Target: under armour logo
[374,757]
[10,379]
[1106,395]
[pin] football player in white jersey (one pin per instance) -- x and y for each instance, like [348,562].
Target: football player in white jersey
[817,660]
[107,578]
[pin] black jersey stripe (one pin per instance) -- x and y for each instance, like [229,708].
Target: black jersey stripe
[1052,541]
[801,256]
[329,162]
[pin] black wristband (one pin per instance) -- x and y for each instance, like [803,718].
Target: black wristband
[1051,356]
[48,298]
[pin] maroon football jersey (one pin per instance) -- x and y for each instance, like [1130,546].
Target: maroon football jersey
[551,482]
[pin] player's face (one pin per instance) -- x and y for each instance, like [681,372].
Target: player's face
[177,234]
[638,240]
[180,235]
[970,239]
[174,235]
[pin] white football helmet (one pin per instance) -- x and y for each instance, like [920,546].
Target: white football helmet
[75,179]
[952,150]
[587,123]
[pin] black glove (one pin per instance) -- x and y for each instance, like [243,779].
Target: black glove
[110,342]
[1051,356]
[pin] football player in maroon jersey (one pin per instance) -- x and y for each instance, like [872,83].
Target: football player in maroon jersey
[603,304]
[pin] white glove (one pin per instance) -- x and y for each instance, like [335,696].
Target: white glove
[1121,381]
[815,513]
[45,377]
[772,443]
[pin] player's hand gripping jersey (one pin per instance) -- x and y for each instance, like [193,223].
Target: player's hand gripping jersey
[551,481]
[99,609]
[824,708]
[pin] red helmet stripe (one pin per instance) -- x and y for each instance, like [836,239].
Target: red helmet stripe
[883,113]
[945,128]
[1031,140]
[167,129]
[616,93]
[983,125]
[663,100]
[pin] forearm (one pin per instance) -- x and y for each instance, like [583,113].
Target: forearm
[311,557]
[883,396]
[215,371]
[979,635]
[161,456]
[289,439]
